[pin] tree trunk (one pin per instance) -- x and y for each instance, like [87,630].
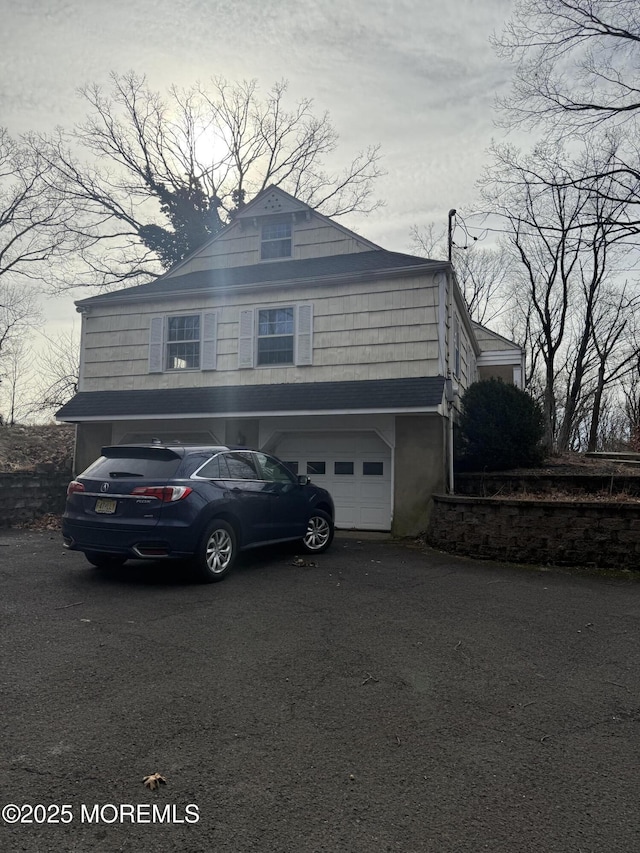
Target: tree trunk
[595,414]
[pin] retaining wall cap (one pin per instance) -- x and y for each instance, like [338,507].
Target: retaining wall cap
[513,501]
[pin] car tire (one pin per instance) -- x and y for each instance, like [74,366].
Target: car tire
[217,553]
[319,533]
[104,561]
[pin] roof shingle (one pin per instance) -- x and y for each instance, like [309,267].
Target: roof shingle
[375,394]
[273,273]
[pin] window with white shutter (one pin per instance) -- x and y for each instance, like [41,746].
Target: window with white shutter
[304,334]
[156,345]
[245,339]
[276,336]
[209,341]
[183,342]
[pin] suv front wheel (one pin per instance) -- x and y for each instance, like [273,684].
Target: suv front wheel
[319,533]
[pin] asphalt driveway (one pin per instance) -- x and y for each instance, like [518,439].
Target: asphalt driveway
[390,698]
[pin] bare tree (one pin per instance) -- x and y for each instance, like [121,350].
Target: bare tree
[631,396]
[16,377]
[483,272]
[577,60]
[616,347]
[164,173]
[577,71]
[566,234]
[35,221]
[18,312]
[58,368]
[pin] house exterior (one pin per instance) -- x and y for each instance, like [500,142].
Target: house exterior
[291,334]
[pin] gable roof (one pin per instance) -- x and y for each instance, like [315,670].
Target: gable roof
[271,201]
[355,266]
[413,394]
[490,340]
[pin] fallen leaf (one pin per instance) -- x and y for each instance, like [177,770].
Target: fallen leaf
[154,781]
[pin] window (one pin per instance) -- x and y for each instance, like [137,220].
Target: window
[241,466]
[275,336]
[273,470]
[272,336]
[316,468]
[372,469]
[211,470]
[183,342]
[343,468]
[276,241]
[456,346]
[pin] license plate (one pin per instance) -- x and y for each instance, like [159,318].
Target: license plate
[106,506]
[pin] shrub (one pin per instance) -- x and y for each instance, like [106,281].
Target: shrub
[500,427]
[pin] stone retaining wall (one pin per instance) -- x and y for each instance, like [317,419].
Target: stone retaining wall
[490,484]
[25,495]
[580,533]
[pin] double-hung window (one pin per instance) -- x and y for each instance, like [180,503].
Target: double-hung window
[275,336]
[183,342]
[275,241]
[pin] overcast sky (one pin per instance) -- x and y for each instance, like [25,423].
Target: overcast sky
[417,76]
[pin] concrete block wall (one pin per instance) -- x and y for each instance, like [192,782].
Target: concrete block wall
[25,495]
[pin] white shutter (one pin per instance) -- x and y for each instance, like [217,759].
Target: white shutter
[209,341]
[304,334]
[156,345]
[245,339]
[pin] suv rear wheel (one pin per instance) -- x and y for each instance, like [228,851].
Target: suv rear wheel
[217,553]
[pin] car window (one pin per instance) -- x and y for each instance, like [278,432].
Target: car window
[129,467]
[241,466]
[273,470]
[212,470]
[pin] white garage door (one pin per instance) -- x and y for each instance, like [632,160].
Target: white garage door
[354,466]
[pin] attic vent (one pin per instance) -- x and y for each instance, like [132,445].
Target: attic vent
[273,203]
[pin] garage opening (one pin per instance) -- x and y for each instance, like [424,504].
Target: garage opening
[354,466]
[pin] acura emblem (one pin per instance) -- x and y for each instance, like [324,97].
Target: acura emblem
[104,487]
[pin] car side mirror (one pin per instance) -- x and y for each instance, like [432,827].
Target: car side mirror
[303,479]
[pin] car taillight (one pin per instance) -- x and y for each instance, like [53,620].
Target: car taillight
[74,486]
[166,494]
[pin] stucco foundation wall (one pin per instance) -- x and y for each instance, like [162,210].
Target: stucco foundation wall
[419,471]
[27,495]
[90,438]
[577,533]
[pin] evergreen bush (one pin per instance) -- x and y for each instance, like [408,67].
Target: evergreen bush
[501,427]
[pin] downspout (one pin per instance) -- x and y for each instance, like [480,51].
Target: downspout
[449,392]
[451,479]
[83,311]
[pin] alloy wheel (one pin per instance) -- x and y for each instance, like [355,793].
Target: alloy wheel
[318,533]
[219,551]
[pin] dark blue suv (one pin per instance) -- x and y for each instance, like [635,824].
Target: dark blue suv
[202,504]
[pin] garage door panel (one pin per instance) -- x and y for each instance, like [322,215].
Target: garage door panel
[374,518]
[343,492]
[374,493]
